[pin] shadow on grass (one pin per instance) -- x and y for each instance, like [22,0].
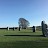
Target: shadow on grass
[26,35]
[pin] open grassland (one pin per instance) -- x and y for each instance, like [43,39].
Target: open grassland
[22,39]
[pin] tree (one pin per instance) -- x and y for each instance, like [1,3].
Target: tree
[23,23]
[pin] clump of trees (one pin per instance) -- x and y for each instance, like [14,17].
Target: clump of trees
[23,23]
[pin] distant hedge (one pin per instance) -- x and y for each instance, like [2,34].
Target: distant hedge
[38,28]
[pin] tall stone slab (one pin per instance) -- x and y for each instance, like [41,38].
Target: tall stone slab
[7,28]
[13,28]
[19,28]
[34,28]
[44,28]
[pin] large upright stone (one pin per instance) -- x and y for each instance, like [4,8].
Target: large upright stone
[34,28]
[44,28]
[7,28]
[19,28]
[13,28]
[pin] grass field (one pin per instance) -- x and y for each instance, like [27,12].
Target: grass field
[22,39]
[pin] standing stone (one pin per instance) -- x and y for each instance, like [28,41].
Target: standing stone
[33,28]
[19,28]
[13,28]
[44,28]
[7,28]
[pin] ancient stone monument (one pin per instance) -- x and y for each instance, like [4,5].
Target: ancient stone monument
[13,28]
[33,28]
[7,28]
[19,28]
[44,29]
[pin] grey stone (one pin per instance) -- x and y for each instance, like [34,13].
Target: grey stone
[13,28]
[44,28]
[7,28]
[19,28]
[34,28]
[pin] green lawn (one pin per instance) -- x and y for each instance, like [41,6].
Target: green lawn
[22,39]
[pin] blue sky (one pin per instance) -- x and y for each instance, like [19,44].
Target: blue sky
[33,10]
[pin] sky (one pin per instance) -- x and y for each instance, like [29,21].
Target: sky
[32,10]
